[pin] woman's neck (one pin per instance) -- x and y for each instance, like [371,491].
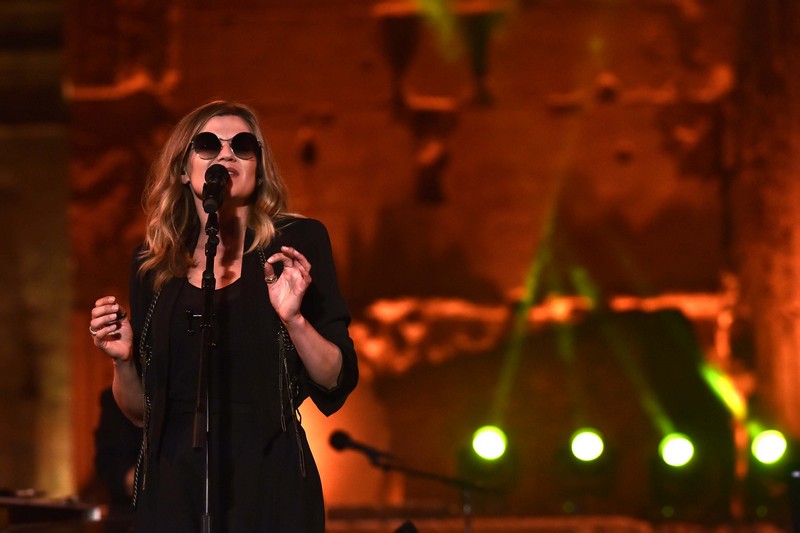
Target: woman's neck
[232,227]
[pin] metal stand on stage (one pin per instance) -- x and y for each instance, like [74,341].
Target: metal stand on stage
[388,462]
[213,191]
[202,414]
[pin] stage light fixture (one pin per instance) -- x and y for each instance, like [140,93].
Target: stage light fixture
[769,446]
[768,486]
[587,444]
[490,462]
[676,450]
[489,442]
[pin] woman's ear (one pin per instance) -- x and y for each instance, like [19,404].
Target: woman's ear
[184,177]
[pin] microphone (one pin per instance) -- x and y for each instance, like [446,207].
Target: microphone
[342,441]
[214,189]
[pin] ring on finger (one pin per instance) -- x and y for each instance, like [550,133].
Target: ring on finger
[271,279]
[92,332]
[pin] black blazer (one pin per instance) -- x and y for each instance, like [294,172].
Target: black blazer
[323,306]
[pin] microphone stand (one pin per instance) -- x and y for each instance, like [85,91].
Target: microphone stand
[202,414]
[466,487]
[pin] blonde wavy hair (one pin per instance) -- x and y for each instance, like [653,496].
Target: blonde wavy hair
[170,213]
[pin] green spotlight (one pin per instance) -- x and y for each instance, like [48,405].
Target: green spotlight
[587,444]
[489,442]
[769,446]
[676,449]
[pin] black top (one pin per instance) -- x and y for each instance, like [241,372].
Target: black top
[230,363]
[261,480]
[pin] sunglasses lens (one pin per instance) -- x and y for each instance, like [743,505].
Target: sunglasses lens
[206,145]
[245,145]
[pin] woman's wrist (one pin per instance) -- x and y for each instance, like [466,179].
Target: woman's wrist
[295,323]
[120,361]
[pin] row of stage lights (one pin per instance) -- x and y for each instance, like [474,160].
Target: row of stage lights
[676,449]
[682,481]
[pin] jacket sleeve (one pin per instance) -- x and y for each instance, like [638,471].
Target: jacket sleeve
[324,307]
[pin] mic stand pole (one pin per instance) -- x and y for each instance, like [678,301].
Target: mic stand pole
[465,487]
[202,414]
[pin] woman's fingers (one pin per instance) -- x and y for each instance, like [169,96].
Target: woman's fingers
[107,316]
[293,262]
[296,256]
[290,258]
[269,274]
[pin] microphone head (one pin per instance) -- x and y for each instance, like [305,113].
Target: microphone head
[217,174]
[339,440]
[214,189]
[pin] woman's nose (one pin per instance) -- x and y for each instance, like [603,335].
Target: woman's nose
[226,152]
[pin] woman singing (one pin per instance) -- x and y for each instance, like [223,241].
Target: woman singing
[279,335]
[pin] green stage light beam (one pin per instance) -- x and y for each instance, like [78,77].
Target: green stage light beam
[441,18]
[724,388]
[511,362]
[564,165]
[647,398]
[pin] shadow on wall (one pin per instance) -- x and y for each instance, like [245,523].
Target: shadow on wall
[404,260]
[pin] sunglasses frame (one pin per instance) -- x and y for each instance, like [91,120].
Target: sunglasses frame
[231,142]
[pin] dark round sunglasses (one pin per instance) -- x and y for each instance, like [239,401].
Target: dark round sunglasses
[245,145]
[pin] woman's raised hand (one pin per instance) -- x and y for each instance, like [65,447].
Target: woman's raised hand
[111,329]
[286,291]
